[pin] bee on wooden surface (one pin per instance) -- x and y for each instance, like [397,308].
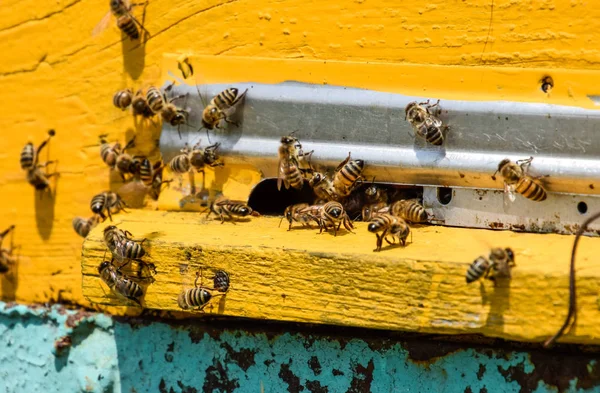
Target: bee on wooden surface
[30,162]
[185,67]
[123,98]
[372,210]
[159,103]
[6,257]
[108,202]
[119,284]
[425,122]
[332,214]
[197,297]
[410,210]
[125,163]
[139,105]
[388,225]
[221,281]
[126,22]
[199,158]
[547,84]
[83,226]
[498,264]
[347,175]
[221,107]
[121,245]
[224,207]
[109,153]
[302,213]
[516,179]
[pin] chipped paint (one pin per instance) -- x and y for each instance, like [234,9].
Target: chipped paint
[134,355]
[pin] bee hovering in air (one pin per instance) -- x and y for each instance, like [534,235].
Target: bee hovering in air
[170,113]
[347,175]
[410,210]
[127,23]
[221,108]
[83,226]
[185,67]
[30,162]
[516,179]
[424,120]
[123,99]
[108,202]
[302,213]
[332,214]
[498,264]
[6,257]
[388,225]
[197,297]
[224,207]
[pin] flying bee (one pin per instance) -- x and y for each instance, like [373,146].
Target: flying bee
[159,103]
[119,284]
[410,210]
[157,183]
[127,23]
[225,207]
[30,162]
[322,186]
[498,264]
[388,225]
[6,257]
[108,202]
[221,281]
[373,210]
[197,297]
[332,213]
[347,174]
[302,213]
[185,67]
[147,171]
[83,226]
[425,122]
[125,163]
[123,98]
[221,108]
[516,179]
[139,105]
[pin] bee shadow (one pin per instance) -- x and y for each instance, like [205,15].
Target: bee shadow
[45,201]
[427,153]
[499,302]
[391,247]
[134,52]
[10,280]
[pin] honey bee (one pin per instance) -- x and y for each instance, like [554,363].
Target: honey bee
[547,84]
[121,245]
[109,153]
[127,23]
[139,105]
[120,284]
[322,186]
[83,226]
[498,264]
[224,207]
[388,225]
[302,213]
[221,107]
[199,158]
[347,175]
[372,210]
[123,98]
[157,183]
[290,166]
[6,257]
[197,297]
[410,210]
[332,213]
[425,122]
[107,201]
[516,179]
[221,281]
[30,162]
[125,163]
[185,67]
[159,103]
[181,162]
[375,194]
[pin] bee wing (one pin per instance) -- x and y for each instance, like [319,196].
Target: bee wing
[509,195]
[102,25]
[236,104]
[433,121]
[280,175]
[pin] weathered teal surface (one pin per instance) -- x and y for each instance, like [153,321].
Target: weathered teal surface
[57,350]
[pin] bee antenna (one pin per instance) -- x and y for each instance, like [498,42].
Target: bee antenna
[280,221]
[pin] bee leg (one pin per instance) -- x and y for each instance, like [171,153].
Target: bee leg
[237,124]
[379,241]
[109,214]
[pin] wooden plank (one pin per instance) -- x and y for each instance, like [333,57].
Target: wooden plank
[304,276]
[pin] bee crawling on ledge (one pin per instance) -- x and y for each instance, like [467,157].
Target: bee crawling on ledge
[200,296]
[225,207]
[498,265]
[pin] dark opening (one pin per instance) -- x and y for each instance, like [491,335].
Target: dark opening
[444,195]
[267,200]
[582,207]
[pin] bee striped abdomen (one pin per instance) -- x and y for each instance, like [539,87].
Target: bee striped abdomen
[81,226]
[226,98]
[530,189]
[435,135]
[380,222]
[123,98]
[155,99]
[180,164]
[134,250]
[414,212]
[130,289]
[238,209]
[98,203]
[194,297]
[477,269]
[294,176]
[108,155]
[27,156]
[146,172]
[127,26]
[351,172]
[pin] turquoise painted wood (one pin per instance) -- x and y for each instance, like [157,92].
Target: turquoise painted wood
[59,350]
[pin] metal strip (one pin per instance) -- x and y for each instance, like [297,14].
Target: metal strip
[335,120]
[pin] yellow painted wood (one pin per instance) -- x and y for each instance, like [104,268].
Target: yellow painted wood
[301,275]
[53,74]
